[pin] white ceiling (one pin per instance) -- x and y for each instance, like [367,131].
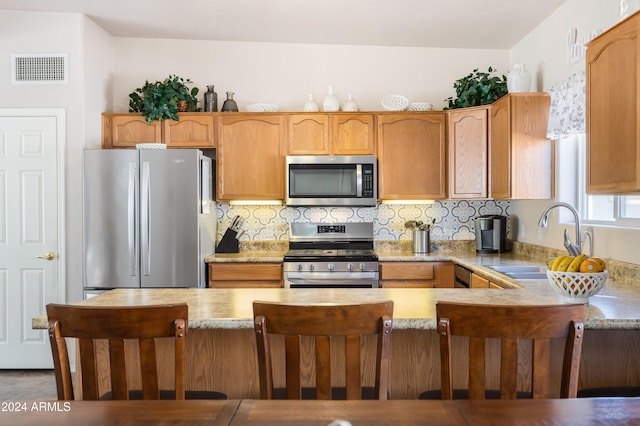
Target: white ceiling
[477,24]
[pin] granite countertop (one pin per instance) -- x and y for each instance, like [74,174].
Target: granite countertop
[617,306]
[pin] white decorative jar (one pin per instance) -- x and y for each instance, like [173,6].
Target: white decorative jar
[518,79]
[350,105]
[310,105]
[330,103]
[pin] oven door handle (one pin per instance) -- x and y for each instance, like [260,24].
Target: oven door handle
[331,276]
[321,283]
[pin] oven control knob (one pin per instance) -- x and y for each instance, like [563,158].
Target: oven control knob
[299,266]
[331,266]
[350,266]
[362,266]
[311,267]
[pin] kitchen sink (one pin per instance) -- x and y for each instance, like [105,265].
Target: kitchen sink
[522,272]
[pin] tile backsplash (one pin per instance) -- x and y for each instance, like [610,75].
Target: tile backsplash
[453,219]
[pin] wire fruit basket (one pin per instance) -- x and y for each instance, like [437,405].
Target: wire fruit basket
[577,287]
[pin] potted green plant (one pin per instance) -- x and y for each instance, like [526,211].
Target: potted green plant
[478,88]
[160,100]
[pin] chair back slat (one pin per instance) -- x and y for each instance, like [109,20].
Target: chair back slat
[87,352]
[118,369]
[324,324]
[477,377]
[509,368]
[352,363]
[113,326]
[513,325]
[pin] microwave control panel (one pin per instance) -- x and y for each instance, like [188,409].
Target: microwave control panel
[367,180]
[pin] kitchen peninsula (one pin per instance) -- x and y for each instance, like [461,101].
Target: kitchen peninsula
[221,353]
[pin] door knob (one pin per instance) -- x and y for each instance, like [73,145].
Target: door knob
[48,256]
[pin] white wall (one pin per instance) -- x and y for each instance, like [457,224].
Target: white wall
[544,51]
[285,74]
[85,96]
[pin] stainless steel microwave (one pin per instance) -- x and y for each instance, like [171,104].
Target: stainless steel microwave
[332,180]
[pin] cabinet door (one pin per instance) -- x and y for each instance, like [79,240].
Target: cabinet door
[411,156]
[416,274]
[127,130]
[521,156]
[308,134]
[500,149]
[468,150]
[613,93]
[192,130]
[250,163]
[243,275]
[352,134]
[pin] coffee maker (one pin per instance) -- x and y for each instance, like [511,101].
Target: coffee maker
[491,234]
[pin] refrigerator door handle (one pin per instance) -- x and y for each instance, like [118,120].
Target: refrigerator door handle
[131,218]
[144,218]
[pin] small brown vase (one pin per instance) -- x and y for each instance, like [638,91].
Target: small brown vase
[183,106]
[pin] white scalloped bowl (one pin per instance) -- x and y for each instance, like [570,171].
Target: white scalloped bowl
[395,103]
[261,107]
[577,287]
[420,106]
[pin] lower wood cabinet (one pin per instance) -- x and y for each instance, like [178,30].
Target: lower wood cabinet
[478,281]
[416,274]
[245,275]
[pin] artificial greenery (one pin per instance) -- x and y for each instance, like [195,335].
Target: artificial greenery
[478,88]
[159,100]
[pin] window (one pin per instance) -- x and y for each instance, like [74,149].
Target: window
[595,209]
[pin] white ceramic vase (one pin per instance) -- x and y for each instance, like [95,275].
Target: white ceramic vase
[518,79]
[310,105]
[628,7]
[350,105]
[330,102]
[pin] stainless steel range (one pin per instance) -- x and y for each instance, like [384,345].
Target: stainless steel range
[331,255]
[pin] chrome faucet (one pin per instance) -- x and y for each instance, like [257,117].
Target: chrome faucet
[573,249]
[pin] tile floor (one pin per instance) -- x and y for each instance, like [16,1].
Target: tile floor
[27,385]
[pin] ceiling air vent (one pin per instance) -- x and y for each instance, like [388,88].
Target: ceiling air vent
[48,68]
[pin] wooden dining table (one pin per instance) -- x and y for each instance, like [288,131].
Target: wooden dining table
[584,411]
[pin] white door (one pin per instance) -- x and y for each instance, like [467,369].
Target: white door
[29,232]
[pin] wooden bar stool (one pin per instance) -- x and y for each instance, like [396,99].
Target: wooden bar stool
[510,324]
[115,325]
[323,324]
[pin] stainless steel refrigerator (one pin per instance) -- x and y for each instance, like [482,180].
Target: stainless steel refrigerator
[148,218]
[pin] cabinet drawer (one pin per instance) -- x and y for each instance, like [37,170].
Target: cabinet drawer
[245,271]
[406,271]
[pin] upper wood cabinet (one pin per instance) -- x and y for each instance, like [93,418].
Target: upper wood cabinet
[250,156]
[192,130]
[468,134]
[308,134]
[613,96]
[520,155]
[128,130]
[330,134]
[411,155]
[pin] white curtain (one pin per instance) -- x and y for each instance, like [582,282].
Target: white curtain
[568,103]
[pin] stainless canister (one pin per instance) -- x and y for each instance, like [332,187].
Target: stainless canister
[421,240]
